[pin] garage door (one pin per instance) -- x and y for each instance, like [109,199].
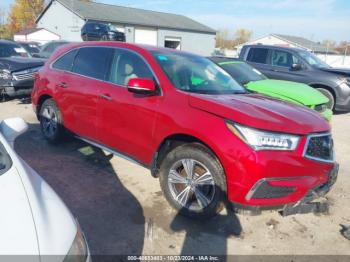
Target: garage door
[146,36]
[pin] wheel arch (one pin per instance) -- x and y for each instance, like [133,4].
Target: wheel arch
[330,89]
[41,100]
[172,141]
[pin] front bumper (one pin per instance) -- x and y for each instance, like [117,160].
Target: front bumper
[270,178]
[17,88]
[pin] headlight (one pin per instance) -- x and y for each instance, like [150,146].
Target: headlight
[78,252]
[262,140]
[5,74]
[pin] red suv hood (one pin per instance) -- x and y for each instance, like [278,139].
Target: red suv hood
[261,112]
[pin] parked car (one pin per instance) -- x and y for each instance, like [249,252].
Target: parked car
[189,122]
[255,81]
[34,221]
[297,65]
[47,49]
[99,31]
[16,69]
[33,48]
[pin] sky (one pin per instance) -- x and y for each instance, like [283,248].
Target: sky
[316,20]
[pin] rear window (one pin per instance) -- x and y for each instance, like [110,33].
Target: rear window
[5,160]
[93,62]
[258,55]
[65,62]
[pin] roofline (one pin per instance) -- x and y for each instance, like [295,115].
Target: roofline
[49,4]
[209,31]
[280,37]
[157,27]
[39,29]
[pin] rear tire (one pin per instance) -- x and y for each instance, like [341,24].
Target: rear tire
[51,122]
[329,95]
[85,38]
[200,195]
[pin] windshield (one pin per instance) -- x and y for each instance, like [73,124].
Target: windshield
[31,48]
[196,74]
[9,50]
[242,72]
[313,60]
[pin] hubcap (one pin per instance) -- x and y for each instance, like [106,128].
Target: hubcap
[49,121]
[191,184]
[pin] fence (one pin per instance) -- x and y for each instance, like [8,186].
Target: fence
[336,60]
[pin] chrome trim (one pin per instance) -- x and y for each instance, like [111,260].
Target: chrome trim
[316,158]
[105,81]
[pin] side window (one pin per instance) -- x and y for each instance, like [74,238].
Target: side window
[50,48]
[65,62]
[92,62]
[5,160]
[283,58]
[258,55]
[127,65]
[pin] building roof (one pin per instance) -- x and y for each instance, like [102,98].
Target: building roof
[131,16]
[305,43]
[28,31]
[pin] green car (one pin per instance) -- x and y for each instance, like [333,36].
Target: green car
[293,92]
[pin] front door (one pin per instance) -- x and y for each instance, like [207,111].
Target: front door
[127,120]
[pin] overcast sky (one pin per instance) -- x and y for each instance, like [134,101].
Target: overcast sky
[313,19]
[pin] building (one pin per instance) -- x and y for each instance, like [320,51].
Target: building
[289,41]
[39,35]
[66,18]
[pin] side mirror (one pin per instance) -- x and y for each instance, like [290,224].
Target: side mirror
[11,128]
[296,67]
[141,86]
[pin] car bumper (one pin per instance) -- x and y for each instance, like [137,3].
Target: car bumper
[275,178]
[16,88]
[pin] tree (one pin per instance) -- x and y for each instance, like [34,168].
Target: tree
[242,36]
[23,13]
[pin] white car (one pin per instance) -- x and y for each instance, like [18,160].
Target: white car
[33,219]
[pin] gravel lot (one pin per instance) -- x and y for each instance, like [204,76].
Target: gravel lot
[122,211]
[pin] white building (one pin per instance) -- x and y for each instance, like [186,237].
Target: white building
[66,18]
[39,35]
[288,41]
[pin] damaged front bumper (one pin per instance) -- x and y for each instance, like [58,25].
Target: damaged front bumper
[306,205]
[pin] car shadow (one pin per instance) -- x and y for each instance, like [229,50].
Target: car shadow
[208,237]
[110,216]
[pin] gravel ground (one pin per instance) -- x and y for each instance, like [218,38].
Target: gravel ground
[122,211]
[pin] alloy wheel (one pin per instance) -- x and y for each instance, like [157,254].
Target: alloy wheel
[191,184]
[49,121]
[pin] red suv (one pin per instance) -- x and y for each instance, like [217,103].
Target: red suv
[189,122]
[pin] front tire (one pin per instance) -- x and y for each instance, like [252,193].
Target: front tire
[51,121]
[329,95]
[193,181]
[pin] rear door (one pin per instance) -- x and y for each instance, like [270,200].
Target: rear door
[258,57]
[127,120]
[80,95]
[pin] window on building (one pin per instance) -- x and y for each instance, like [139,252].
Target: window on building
[172,42]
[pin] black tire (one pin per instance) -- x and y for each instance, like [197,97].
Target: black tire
[51,122]
[330,96]
[85,37]
[215,192]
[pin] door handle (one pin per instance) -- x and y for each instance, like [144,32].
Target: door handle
[106,97]
[63,85]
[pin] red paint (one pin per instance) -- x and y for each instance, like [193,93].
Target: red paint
[136,125]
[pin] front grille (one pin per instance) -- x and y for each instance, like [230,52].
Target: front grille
[25,76]
[320,108]
[320,147]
